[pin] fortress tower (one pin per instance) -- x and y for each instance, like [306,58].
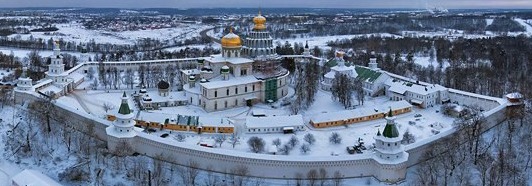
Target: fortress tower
[122,130]
[390,153]
[24,82]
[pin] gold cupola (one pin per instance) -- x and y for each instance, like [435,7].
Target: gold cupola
[231,40]
[260,22]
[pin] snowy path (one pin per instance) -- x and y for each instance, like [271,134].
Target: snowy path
[4,178]
[526,25]
[81,102]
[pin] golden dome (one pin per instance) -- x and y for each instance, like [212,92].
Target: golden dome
[231,40]
[260,22]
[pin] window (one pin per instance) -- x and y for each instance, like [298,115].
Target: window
[236,90]
[225,103]
[227,92]
[236,102]
[215,105]
[253,87]
[246,89]
[215,93]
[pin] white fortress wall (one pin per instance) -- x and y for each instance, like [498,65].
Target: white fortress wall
[259,165]
[495,115]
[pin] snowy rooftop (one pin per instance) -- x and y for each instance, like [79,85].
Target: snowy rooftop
[274,121]
[360,112]
[233,60]
[218,82]
[215,121]
[172,96]
[401,87]
[190,71]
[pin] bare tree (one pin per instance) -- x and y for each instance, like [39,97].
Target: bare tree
[335,138]
[256,144]
[323,177]
[408,138]
[190,173]
[220,139]
[180,137]
[285,149]
[312,177]
[108,106]
[235,139]
[337,178]
[299,179]
[239,174]
[212,179]
[309,138]
[293,141]
[276,142]
[305,148]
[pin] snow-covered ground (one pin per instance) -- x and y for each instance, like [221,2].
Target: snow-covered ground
[526,25]
[425,61]
[76,32]
[489,22]
[321,41]
[423,126]
[22,53]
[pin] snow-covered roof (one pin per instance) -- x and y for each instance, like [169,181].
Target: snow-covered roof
[31,177]
[215,121]
[401,87]
[172,96]
[76,76]
[233,60]
[232,81]
[274,121]
[190,71]
[515,95]
[361,112]
[51,88]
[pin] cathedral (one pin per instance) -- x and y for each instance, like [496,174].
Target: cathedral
[244,73]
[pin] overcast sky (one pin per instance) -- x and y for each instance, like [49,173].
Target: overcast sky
[449,4]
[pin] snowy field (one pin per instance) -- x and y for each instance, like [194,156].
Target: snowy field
[422,123]
[77,33]
[321,41]
[22,53]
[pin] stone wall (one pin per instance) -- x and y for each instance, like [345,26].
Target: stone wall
[271,166]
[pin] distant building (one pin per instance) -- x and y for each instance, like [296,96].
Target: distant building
[372,77]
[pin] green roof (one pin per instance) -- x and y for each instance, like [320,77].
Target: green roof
[331,63]
[390,131]
[124,107]
[366,74]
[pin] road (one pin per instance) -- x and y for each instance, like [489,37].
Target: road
[204,35]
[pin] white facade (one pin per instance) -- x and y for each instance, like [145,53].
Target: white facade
[24,83]
[274,124]
[418,94]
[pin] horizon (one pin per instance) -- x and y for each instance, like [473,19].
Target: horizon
[342,4]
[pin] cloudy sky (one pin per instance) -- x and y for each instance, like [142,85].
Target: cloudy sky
[450,4]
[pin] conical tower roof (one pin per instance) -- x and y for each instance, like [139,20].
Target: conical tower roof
[390,130]
[124,106]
